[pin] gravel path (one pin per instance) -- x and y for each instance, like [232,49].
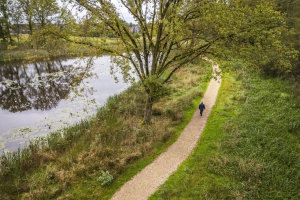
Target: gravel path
[146,182]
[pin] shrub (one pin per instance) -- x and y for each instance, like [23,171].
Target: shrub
[106,178]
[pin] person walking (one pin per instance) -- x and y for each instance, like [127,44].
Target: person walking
[201,108]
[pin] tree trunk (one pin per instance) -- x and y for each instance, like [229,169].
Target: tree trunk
[8,33]
[30,27]
[2,34]
[148,110]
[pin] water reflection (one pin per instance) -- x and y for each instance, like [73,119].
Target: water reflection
[38,86]
[35,99]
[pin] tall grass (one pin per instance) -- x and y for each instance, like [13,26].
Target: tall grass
[67,165]
[250,147]
[26,51]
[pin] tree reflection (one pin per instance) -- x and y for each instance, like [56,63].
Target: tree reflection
[39,86]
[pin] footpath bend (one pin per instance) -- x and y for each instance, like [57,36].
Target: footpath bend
[147,181]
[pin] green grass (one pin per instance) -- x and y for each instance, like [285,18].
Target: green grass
[32,55]
[26,50]
[249,148]
[113,140]
[160,147]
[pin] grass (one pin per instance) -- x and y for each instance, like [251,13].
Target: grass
[249,148]
[31,55]
[25,50]
[67,165]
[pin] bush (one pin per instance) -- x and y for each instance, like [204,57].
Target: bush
[106,178]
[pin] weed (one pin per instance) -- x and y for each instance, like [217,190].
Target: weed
[106,178]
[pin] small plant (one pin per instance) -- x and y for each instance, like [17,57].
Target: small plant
[106,178]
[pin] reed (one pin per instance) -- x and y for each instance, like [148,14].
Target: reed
[67,163]
[25,51]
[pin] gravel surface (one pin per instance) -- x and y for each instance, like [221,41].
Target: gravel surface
[146,182]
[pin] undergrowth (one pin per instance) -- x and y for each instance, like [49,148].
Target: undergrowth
[68,164]
[250,146]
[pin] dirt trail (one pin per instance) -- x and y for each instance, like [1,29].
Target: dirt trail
[146,182]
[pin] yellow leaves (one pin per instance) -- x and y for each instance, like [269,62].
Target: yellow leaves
[11,47]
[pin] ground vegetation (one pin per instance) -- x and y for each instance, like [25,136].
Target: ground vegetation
[249,147]
[69,164]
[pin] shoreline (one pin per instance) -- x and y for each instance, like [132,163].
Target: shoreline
[33,55]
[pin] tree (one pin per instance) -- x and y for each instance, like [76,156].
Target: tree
[164,47]
[291,10]
[16,18]
[5,25]
[173,33]
[44,10]
[256,34]
[2,29]
[45,14]
[26,7]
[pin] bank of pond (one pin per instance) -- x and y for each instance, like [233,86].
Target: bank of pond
[111,140]
[42,97]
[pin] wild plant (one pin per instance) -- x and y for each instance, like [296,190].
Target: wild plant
[106,178]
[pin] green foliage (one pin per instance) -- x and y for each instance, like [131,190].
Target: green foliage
[290,9]
[106,178]
[66,164]
[249,146]
[255,32]
[5,23]
[155,88]
[44,10]
[122,65]
[175,33]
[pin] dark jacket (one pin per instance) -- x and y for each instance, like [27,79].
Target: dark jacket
[201,106]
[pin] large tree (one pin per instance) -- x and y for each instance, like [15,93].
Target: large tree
[174,32]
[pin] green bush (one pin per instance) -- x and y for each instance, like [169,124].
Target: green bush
[106,178]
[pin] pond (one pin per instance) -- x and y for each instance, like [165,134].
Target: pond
[42,97]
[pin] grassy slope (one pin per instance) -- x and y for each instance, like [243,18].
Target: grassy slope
[250,147]
[112,141]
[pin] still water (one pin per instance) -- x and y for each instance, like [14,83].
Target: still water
[41,97]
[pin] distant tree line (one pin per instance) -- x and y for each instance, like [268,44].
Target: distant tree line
[38,17]
[26,16]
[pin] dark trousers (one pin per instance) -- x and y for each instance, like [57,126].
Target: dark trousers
[201,111]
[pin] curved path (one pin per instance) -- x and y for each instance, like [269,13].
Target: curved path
[146,182]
